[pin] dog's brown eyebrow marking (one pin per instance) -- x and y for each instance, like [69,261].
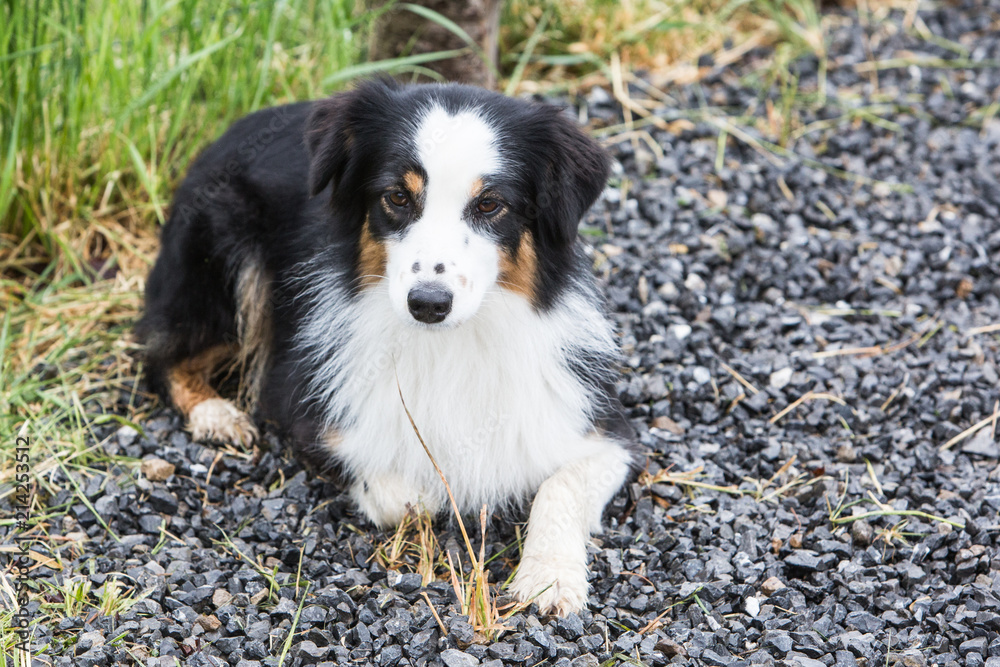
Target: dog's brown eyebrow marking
[519,272]
[414,182]
[477,187]
[371,258]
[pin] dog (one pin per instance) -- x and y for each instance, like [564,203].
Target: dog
[399,259]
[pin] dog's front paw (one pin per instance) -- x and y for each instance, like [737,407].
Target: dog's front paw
[217,419]
[557,585]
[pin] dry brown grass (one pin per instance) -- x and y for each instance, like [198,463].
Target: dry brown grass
[661,37]
[412,547]
[786,480]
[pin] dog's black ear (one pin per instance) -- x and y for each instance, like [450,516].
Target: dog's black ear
[338,129]
[329,138]
[575,172]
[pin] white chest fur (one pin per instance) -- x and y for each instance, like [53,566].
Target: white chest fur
[494,399]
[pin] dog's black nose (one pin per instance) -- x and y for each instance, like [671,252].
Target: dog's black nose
[429,304]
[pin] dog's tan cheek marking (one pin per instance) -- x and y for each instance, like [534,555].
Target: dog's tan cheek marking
[414,182]
[519,273]
[188,381]
[371,258]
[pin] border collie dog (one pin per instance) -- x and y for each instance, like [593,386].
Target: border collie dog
[407,246]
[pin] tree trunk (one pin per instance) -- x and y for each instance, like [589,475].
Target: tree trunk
[400,31]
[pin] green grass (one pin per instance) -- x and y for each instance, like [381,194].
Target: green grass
[107,101]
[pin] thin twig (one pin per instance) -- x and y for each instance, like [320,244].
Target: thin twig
[685,479]
[479,583]
[655,623]
[781,471]
[895,392]
[869,515]
[871,350]
[871,473]
[739,378]
[969,431]
[447,486]
[930,334]
[989,328]
[444,630]
[875,350]
[808,396]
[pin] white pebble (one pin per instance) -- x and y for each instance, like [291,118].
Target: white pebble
[781,378]
[680,331]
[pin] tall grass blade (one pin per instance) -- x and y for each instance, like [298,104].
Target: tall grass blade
[525,57]
[144,172]
[265,66]
[7,175]
[166,79]
[390,65]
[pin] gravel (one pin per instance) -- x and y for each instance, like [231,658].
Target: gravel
[726,276]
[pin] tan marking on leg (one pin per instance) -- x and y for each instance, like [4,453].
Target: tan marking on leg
[371,258]
[414,182]
[209,416]
[188,380]
[519,273]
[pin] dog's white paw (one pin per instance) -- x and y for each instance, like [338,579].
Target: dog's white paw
[386,499]
[217,419]
[557,585]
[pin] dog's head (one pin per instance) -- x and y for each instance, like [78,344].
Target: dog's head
[454,192]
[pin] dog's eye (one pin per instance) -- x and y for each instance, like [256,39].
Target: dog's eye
[398,198]
[488,206]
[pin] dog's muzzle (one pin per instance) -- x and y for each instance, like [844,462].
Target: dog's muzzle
[429,303]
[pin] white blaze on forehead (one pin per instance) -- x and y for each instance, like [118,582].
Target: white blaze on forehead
[455,150]
[440,247]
